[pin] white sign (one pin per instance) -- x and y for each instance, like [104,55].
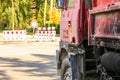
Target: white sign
[34,24]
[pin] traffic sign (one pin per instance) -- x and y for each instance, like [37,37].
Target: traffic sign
[34,24]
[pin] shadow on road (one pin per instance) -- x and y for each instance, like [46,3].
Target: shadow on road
[32,68]
[4,75]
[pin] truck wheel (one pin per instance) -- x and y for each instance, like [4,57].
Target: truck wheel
[66,72]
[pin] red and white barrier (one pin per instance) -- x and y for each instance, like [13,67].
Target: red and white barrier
[14,35]
[46,28]
[45,34]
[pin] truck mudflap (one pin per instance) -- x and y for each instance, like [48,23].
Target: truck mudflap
[58,62]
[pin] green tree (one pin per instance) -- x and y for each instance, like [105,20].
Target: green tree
[23,14]
[40,11]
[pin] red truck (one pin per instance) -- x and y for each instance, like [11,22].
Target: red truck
[89,40]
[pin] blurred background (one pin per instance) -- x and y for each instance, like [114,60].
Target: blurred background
[18,14]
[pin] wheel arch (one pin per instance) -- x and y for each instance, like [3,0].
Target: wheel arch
[63,54]
[60,56]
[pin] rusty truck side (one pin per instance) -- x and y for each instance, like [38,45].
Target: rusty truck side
[89,40]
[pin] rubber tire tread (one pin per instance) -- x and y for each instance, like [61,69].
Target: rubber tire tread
[65,65]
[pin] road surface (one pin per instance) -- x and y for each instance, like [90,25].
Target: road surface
[28,61]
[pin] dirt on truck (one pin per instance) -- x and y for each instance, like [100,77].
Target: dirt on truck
[89,40]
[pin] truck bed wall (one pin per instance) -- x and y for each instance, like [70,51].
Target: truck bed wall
[104,21]
[98,3]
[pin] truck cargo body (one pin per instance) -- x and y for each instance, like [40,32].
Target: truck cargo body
[89,40]
[106,25]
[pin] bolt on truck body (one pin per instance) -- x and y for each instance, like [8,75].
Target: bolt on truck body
[89,40]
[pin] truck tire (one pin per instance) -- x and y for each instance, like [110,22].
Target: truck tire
[66,72]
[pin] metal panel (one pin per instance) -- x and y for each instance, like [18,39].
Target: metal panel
[104,21]
[107,25]
[105,2]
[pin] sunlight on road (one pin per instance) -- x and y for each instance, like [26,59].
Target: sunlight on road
[28,61]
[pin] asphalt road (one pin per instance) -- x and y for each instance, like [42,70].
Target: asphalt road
[28,61]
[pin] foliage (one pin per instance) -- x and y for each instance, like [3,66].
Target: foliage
[55,16]
[40,12]
[23,13]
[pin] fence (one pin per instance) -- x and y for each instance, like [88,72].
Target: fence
[14,35]
[45,34]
